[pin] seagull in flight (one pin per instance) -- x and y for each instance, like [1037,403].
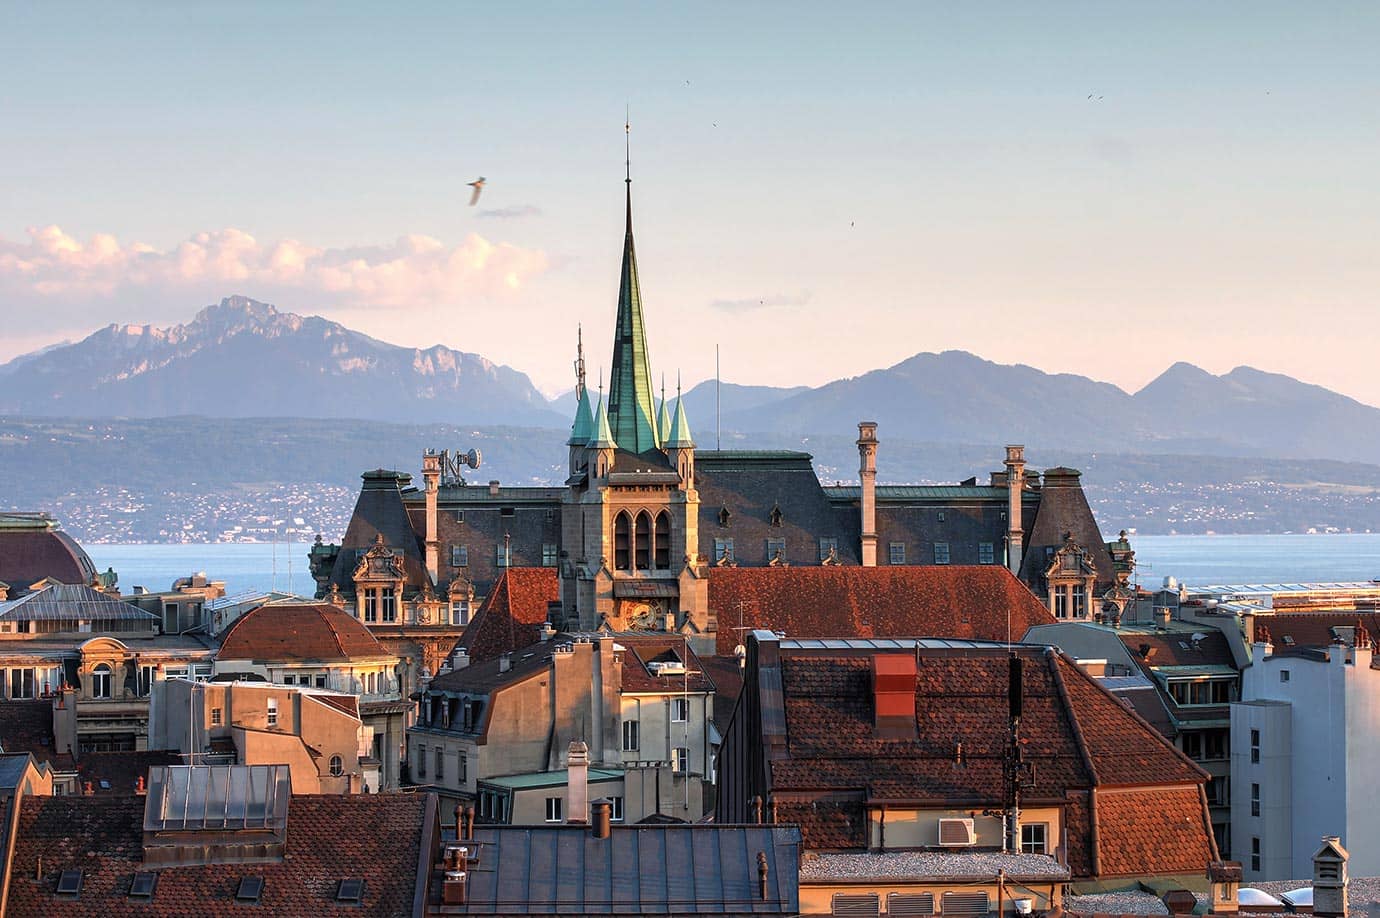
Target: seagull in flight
[478,186]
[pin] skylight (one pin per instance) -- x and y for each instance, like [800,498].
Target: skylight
[69,884]
[250,889]
[351,890]
[144,884]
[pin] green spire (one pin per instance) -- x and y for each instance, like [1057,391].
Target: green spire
[602,437]
[583,428]
[631,406]
[679,437]
[663,416]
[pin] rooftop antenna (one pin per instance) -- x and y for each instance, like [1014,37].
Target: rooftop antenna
[718,384]
[627,145]
[579,362]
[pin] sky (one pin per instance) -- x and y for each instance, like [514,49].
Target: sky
[1100,189]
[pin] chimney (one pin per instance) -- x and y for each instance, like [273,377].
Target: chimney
[453,887]
[893,692]
[467,820]
[505,662]
[1162,617]
[139,788]
[577,784]
[459,659]
[493,488]
[867,473]
[431,476]
[1015,483]
[1330,880]
[603,817]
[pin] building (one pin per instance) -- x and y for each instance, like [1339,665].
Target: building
[216,840]
[645,516]
[317,733]
[884,746]
[495,733]
[34,548]
[1304,741]
[319,646]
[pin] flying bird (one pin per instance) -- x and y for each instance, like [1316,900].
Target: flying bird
[478,186]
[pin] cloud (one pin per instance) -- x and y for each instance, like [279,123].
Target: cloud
[750,304]
[53,269]
[511,213]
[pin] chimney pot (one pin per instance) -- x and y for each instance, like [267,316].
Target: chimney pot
[493,488]
[603,817]
[577,783]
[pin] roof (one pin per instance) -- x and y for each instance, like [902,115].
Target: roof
[27,726]
[513,613]
[1316,629]
[12,768]
[919,492]
[679,437]
[631,409]
[71,602]
[119,772]
[373,837]
[1159,649]
[977,601]
[379,510]
[32,548]
[1064,511]
[483,677]
[918,866]
[318,632]
[535,779]
[638,677]
[548,870]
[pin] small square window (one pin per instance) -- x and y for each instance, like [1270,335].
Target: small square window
[828,548]
[459,516]
[459,556]
[554,808]
[350,890]
[986,553]
[776,549]
[723,550]
[617,814]
[680,760]
[501,554]
[680,710]
[941,552]
[1284,675]
[69,883]
[896,553]
[250,889]
[507,511]
[143,885]
[941,516]
[548,554]
[216,717]
[273,712]
[1033,838]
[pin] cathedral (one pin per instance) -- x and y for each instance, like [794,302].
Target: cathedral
[645,518]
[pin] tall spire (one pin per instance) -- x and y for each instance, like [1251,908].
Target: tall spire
[663,414]
[631,407]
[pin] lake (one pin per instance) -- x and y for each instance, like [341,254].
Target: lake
[1194,559]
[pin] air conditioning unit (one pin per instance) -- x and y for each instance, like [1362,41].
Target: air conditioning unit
[957,833]
[667,668]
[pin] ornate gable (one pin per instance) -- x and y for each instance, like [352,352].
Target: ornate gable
[380,564]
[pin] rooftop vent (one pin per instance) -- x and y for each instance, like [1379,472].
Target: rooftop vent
[957,833]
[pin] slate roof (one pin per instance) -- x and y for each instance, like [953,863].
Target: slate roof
[643,650]
[513,613]
[1077,735]
[373,837]
[27,555]
[565,870]
[379,510]
[317,632]
[72,602]
[937,601]
[483,677]
[1064,509]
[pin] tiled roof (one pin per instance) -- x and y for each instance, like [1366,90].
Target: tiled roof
[1161,830]
[485,676]
[1315,629]
[305,631]
[27,726]
[1177,648]
[373,837]
[939,601]
[29,555]
[643,650]
[120,771]
[512,615]
[1075,733]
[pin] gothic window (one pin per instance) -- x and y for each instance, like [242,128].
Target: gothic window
[775,515]
[643,542]
[724,516]
[663,541]
[620,542]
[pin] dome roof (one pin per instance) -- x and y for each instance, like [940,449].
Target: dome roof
[300,631]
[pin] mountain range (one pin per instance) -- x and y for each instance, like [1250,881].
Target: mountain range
[243,358]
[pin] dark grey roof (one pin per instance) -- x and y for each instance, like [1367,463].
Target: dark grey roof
[12,769]
[637,870]
[379,511]
[71,602]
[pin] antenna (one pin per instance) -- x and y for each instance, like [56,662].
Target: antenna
[718,384]
[579,362]
[627,144]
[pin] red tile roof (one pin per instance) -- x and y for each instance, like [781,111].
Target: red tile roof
[1314,629]
[513,613]
[1177,648]
[643,650]
[1162,828]
[815,602]
[373,837]
[304,631]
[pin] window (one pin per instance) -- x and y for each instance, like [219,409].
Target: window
[390,605]
[371,605]
[1215,743]
[460,612]
[775,516]
[421,761]
[680,760]
[828,548]
[350,890]
[550,515]
[896,553]
[1080,601]
[1255,853]
[1255,799]
[459,556]
[723,550]
[662,542]
[289,680]
[986,553]
[1218,791]
[273,712]
[1284,675]
[69,883]
[440,763]
[501,554]
[724,516]
[337,766]
[554,806]
[680,710]
[459,516]
[250,889]
[548,554]
[617,814]
[217,717]
[642,542]
[22,683]
[1193,745]
[941,516]
[1255,748]
[507,511]
[320,680]
[146,674]
[621,535]
[941,552]
[100,681]
[1033,837]
[368,683]
[776,548]
[630,736]
[461,767]
[143,884]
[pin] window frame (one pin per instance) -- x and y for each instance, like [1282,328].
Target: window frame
[942,555]
[1029,846]
[632,729]
[896,553]
[555,809]
[680,710]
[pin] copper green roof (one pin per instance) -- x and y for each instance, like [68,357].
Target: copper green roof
[680,429]
[602,437]
[663,418]
[583,428]
[631,411]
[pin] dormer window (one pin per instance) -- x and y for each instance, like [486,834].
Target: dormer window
[775,516]
[724,516]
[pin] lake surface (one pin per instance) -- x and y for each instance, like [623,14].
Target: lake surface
[1194,559]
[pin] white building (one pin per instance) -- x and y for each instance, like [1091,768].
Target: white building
[1305,742]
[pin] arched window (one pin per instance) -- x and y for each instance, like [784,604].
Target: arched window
[337,766]
[663,541]
[642,557]
[620,542]
[100,681]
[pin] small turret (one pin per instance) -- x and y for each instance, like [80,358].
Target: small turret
[580,432]
[663,424]
[601,443]
[680,445]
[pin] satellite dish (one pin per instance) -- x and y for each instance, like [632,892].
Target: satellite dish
[473,458]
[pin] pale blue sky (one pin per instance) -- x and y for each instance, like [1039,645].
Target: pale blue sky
[823,189]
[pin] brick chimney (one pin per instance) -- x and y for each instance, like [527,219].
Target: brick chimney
[577,784]
[893,695]
[1015,484]
[431,476]
[867,473]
